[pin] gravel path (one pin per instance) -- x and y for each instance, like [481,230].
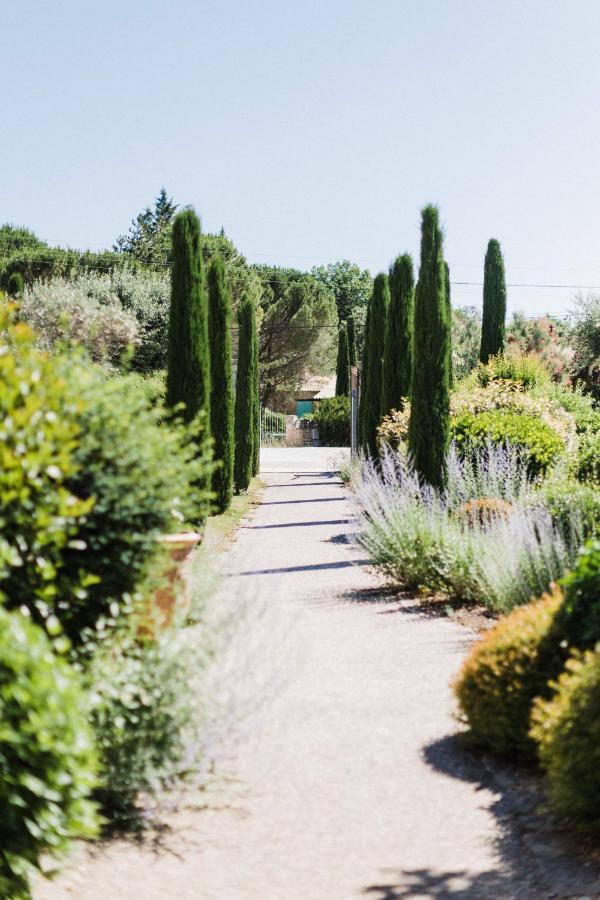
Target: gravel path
[355,786]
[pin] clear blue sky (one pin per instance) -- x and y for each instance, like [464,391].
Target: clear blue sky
[314,131]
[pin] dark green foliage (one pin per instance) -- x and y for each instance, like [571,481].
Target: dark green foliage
[494,303]
[429,432]
[373,364]
[34,263]
[245,431]
[14,286]
[221,397]
[397,357]
[47,760]
[149,238]
[255,387]
[364,377]
[571,503]
[449,303]
[342,374]
[539,443]
[578,619]
[333,420]
[351,341]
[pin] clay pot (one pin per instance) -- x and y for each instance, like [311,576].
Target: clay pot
[173,596]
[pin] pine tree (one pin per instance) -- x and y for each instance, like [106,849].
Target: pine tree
[351,341]
[245,430]
[428,429]
[494,303]
[255,398]
[397,357]
[188,359]
[373,364]
[342,375]
[221,395]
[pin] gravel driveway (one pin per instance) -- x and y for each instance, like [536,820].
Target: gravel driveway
[355,786]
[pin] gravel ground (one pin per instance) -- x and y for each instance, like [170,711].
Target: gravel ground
[353,782]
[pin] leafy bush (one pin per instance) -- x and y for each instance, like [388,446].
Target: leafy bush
[504,672]
[586,342]
[47,761]
[538,442]
[333,419]
[567,500]
[579,617]
[587,465]
[566,728]
[143,709]
[62,312]
[525,370]
[88,481]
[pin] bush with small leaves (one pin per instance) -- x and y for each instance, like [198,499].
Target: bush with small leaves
[567,500]
[587,464]
[333,421]
[525,370]
[47,760]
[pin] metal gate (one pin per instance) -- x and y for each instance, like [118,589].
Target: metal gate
[272,427]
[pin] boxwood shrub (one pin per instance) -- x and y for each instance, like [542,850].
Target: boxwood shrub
[47,760]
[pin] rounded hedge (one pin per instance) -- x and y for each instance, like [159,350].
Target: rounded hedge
[505,671]
[333,420]
[567,731]
[47,761]
[539,443]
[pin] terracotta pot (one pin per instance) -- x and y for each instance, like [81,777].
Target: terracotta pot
[173,596]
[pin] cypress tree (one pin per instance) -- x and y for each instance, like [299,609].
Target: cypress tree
[428,428]
[364,377]
[449,304]
[188,360]
[397,356]
[245,432]
[373,363]
[342,375]
[494,303]
[221,393]
[255,421]
[351,341]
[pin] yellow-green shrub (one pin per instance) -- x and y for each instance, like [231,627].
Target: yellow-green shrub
[566,728]
[504,672]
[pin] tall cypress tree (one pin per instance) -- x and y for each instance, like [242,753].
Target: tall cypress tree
[494,303]
[342,374]
[449,304]
[351,341]
[429,426]
[397,356]
[364,377]
[221,394]
[373,362]
[188,359]
[255,398]
[245,432]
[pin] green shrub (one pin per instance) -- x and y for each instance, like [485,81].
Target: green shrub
[568,501]
[14,286]
[143,707]
[88,481]
[47,761]
[539,443]
[566,728]
[587,466]
[333,420]
[526,370]
[579,616]
[504,672]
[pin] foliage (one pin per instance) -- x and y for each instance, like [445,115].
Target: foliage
[342,378]
[352,353]
[543,338]
[255,393]
[494,303]
[504,672]
[188,359]
[484,510]
[13,238]
[579,617]
[333,420]
[587,465]
[352,289]
[524,370]
[43,262]
[15,285]
[297,333]
[538,442]
[62,312]
[563,497]
[141,710]
[149,237]
[46,754]
[566,728]
[428,431]
[397,356]
[586,343]
[221,397]
[466,340]
[245,431]
[370,403]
